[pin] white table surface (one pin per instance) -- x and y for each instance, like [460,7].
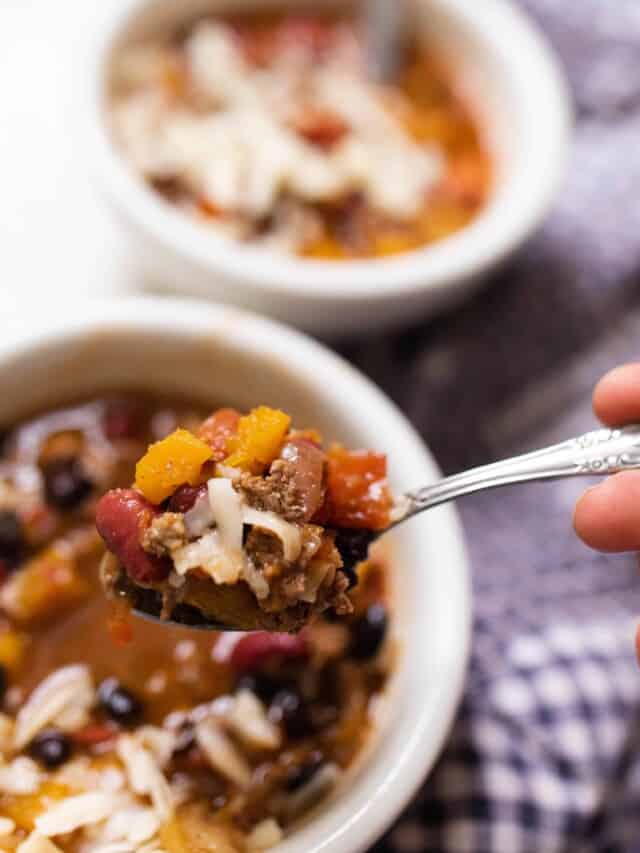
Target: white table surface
[56,237]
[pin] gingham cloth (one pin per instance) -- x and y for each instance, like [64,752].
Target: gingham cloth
[545,752]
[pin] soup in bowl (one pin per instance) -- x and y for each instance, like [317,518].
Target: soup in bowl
[120,732]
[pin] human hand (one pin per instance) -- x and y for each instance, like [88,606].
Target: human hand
[607,517]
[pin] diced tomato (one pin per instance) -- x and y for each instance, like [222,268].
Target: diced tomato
[95,733]
[251,652]
[358,495]
[98,738]
[310,33]
[209,208]
[307,34]
[218,429]
[321,127]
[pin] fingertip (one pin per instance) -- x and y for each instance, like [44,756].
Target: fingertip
[616,397]
[607,517]
[586,517]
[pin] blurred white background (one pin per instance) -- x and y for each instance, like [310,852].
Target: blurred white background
[56,239]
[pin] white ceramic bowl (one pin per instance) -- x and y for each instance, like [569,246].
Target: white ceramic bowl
[223,355]
[519,92]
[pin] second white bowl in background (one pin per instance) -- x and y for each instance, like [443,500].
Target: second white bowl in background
[511,77]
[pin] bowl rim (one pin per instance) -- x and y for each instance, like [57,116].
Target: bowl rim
[338,829]
[509,35]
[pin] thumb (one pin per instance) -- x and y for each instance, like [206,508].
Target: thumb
[607,517]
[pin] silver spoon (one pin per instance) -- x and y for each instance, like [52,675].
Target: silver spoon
[387,31]
[603,451]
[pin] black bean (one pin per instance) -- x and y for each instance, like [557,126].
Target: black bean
[297,777]
[51,748]
[353,546]
[65,483]
[4,440]
[262,685]
[12,543]
[119,703]
[289,709]
[368,633]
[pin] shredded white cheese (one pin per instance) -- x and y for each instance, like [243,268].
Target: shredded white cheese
[74,813]
[64,698]
[238,148]
[209,555]
[20,776]
[37,843]
[221,753]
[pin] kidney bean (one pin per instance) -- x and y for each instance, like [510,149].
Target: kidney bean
[307,467]
[122,515]
[254,650]
[185,496]
[122,419]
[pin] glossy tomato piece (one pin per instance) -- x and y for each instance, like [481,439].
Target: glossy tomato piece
[218,429]
[358,494]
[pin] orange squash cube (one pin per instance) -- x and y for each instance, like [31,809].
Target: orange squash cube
[172,462]
[13,646]
[46,586]
[260,436]
[23,809]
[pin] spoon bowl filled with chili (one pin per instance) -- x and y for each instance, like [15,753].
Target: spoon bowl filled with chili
[254,160]
[119,731]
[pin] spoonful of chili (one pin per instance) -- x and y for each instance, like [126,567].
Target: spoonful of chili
[252,525]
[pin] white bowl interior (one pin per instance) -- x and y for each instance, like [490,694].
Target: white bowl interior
[225,357]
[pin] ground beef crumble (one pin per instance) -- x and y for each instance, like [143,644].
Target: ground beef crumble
[275,493]
[319,559]
[165,534]
[295,486]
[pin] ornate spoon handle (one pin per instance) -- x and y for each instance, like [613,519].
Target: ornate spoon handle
[603,451]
